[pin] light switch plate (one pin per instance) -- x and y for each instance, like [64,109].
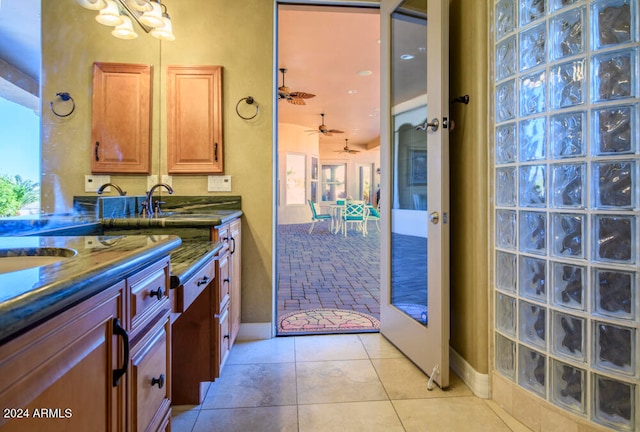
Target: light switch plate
[152,180]
[167,179]
[93,182]
[219,183]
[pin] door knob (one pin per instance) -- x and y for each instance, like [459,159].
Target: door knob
[433,125]
[434,218]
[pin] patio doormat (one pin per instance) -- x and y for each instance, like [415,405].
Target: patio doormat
[327,321]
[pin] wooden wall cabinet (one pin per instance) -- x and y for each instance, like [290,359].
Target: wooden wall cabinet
[103,365]
[121,119]
[194,120]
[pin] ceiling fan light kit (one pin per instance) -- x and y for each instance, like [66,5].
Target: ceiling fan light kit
[296,97]
[324,130]
[346,148]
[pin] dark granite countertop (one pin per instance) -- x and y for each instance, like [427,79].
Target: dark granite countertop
[30,296]
[189,258]
[174,220]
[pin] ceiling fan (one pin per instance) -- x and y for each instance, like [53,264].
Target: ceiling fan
[324,130]
[296,98]
[346,148]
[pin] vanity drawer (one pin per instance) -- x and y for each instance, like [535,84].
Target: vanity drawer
[223,283]
[223,333]
[191,289]
[151,390]
[148,291]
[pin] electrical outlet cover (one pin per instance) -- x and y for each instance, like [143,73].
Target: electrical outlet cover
[219,183]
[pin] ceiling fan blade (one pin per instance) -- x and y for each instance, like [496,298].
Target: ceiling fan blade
[327,133]
[301,95]
[335,131]
[295,100]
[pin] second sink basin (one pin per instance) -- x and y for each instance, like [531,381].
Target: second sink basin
[23,258]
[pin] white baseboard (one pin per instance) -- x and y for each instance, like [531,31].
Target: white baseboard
[255,331]
[479,383]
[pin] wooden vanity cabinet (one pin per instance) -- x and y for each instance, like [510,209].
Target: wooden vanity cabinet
[102,365]
[194,120]
[64,369]
[121,119]
[227,303]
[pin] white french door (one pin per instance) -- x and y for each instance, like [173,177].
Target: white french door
[415,182]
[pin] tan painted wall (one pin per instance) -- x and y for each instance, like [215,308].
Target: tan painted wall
[235,34]
[239,36]
[469,150]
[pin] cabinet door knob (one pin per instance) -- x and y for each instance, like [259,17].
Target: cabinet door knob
[159,293]
[158,381]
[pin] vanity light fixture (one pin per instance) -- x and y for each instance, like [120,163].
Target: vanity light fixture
[109,15]
[92,4]
[152,16]
[166,31]
[124,30]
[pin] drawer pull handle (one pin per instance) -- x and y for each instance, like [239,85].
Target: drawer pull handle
[227,280]
[119,331]
[203,281]
[159,381]
[233,249]
[225,337]
[159,293]
[95,151]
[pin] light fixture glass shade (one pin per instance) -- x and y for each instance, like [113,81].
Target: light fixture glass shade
[140,5]
[110,15]
[92,4]
[153,18]
[125,30]
[165,32]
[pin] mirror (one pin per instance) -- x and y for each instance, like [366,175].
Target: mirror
[72,41]
[409,160]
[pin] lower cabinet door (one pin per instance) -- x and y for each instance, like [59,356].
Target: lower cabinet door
[150,384]
[59,376]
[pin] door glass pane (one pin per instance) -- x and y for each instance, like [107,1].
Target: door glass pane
[364,183]
[334,184]
[409,161]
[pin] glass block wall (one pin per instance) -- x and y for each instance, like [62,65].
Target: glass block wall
[567,197]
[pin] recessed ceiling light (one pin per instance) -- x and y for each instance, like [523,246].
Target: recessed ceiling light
[364,73]
[406,57]
[352,91]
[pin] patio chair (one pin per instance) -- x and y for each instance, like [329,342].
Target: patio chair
[374,214]
[317,216]
[355,213]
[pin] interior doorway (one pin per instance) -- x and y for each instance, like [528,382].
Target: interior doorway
[328,271]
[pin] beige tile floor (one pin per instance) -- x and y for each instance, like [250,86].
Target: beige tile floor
[353,383]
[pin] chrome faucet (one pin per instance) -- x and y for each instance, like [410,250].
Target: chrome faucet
[147,204]
[106,185]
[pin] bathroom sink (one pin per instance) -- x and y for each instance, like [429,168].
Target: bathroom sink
[24,258]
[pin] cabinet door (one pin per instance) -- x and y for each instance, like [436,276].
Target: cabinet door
[121,119]
[194,120]
[60,374]
[236,272]
[150,383]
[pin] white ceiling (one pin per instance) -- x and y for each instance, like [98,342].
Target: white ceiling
[20,35]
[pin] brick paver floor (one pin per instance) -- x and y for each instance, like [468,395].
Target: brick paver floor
[323,270]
